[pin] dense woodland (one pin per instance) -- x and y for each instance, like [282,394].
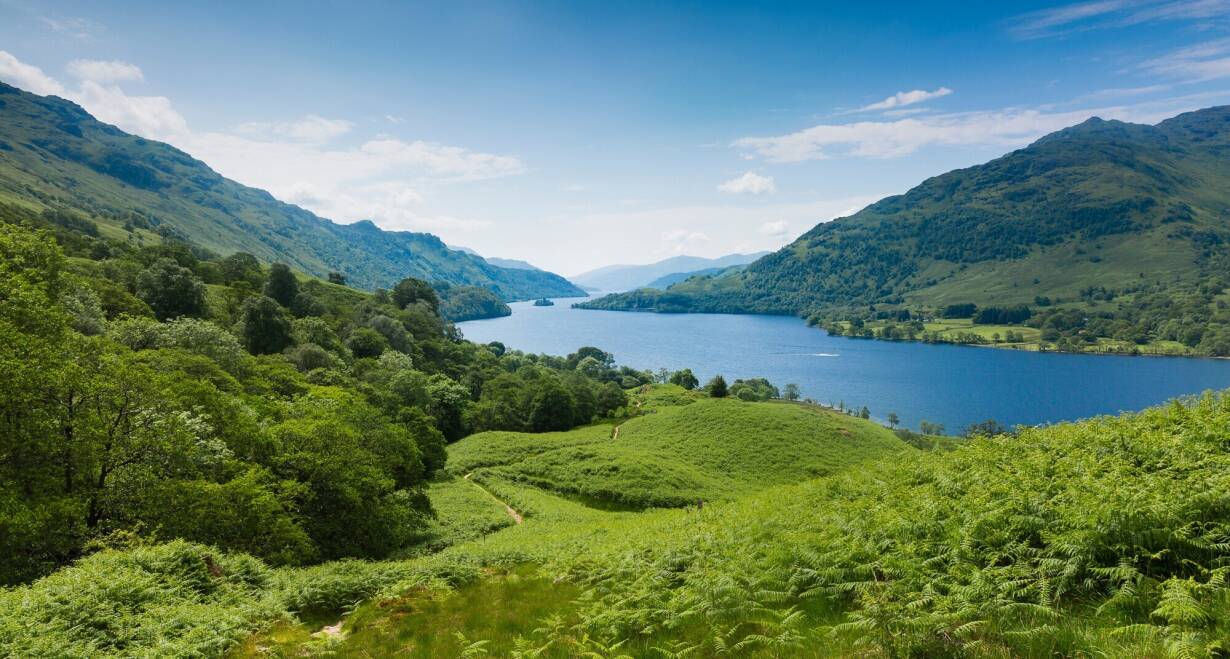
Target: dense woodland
[161,392]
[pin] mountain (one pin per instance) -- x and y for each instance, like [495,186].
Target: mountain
[626,277]
[673,278]
[512,264]
[55,157]
[1106,215]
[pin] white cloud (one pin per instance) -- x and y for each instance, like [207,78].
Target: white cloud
[379,179]
[1205,61]
[147,116]
[27,76]
[105,71]
[902,99]
[749,183]
[311,128]
[776,229]
[1011,127]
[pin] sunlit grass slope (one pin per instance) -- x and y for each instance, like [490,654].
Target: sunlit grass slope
[685,448]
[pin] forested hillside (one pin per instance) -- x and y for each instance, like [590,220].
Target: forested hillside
[1122,223]
[156,392]
[55,157]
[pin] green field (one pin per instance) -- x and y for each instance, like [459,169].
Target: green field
[1101,538]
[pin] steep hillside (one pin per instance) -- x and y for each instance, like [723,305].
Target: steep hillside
[625,277]
[54,155]
[1126,210]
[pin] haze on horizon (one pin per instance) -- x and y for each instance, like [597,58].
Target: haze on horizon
[578,136]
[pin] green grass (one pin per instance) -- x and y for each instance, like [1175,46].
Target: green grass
[684,449]
[1101,538]
[463,513]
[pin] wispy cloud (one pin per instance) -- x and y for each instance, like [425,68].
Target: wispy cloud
[750,183]
[1103,14]
[311,128]
[105,71]
[1206,61]
[778,229]
[902,99]
[1011,127]
[71,26]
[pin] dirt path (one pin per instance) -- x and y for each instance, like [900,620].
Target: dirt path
[516,516]
[615,433]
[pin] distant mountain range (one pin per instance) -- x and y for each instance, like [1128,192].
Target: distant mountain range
[627,277]
[1105,210]
[55,156]
[514,264]
[673,278]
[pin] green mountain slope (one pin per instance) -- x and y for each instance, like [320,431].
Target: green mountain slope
[54,155]
[1123,207]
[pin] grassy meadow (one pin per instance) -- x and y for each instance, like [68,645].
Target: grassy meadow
[818,537]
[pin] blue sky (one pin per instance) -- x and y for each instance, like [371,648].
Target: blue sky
[578,134]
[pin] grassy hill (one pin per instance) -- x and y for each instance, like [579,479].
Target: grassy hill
[687,448]
[1123,213]
[1099,538]
[56,157]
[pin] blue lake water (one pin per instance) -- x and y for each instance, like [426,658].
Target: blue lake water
[952,385]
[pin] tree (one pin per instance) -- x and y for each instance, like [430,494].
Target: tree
[685,378]
[366,342]
[551,407]
[791,392]
[754,389]
[717,387]
[893,419]
[988,428]
[337,278]
[410,290]
[242,267]
[864,413]
[604,358]
[663,376]
[171,290]
[282,285]
[264,326]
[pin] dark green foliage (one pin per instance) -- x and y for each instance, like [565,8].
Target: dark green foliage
[460,303]
[264,326]
[281,284]
[1002,315]
[171,290]
[754,389]
[551,408]
[337,278]
[717,387]
[411,290]
[295,441]
[685,378]
[964,310]
[367,342]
